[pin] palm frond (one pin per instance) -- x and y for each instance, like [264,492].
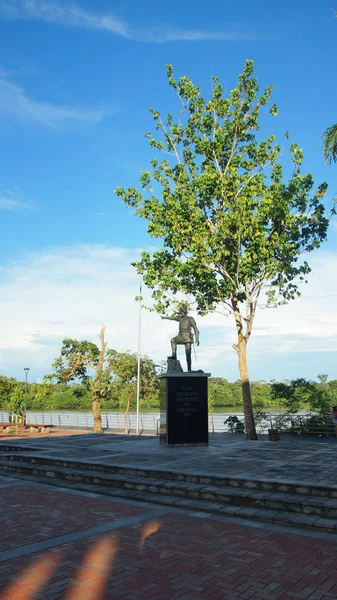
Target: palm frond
[330,144]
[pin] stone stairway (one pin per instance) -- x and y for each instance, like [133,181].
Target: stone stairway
[284,503]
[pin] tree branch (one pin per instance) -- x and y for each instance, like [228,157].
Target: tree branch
[171,141]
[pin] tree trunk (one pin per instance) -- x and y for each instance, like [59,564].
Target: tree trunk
[241,349]
[126,414]
[96,411]
[96,386]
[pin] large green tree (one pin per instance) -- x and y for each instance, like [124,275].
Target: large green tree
[233,230]
[86,362]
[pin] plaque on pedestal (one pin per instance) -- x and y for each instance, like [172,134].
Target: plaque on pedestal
[184,409]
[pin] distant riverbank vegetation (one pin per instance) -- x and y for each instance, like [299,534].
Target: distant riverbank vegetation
[289,395]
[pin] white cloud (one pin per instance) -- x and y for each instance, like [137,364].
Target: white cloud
[15,102]
[69,292]
[305,326]
[11,199]
[70,14]
[308,324]
[59,12]
[176,35]
[13,205]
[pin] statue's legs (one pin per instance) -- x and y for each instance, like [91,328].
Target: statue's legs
[174,349]
[188,348]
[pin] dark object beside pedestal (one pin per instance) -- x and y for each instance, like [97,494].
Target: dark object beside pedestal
[184,409]
[273,435]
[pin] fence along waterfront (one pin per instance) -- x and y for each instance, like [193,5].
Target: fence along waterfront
[110,420]
[306,423]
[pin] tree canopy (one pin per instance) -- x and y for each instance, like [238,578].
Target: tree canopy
[105,372]
[83,360]
[233,228]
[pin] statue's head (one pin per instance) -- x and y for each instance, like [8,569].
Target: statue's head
[183,310]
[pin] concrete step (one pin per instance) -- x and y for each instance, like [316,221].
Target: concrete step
[300,521]
[310,512]
[259,485]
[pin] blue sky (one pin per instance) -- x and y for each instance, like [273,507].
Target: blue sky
[76,82]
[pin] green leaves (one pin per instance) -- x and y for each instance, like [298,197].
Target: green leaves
[296,154]
[124,365]
[330,144]
[7,386]
[231,225]
[145,179]
[17,402]
[75,360]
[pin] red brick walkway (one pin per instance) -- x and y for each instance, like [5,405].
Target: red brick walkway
[27,434]
[170,556]
[32,514]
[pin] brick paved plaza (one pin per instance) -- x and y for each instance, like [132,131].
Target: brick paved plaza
[59,543]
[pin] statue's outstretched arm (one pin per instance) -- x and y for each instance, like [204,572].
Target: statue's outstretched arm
[170,318]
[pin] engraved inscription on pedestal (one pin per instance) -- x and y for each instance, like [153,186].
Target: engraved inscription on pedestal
[184,410]
[187,401]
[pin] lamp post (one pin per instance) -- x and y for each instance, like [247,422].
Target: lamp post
[139,346]
[26,370]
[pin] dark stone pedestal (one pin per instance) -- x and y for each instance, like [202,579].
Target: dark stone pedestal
[184,409]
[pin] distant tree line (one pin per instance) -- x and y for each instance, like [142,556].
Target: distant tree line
[288,396]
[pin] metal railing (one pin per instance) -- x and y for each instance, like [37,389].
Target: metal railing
[85,420]
[308,424]
[311,424]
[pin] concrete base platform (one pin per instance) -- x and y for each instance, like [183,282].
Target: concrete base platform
[295,460]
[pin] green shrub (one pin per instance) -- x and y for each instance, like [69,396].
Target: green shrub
[235,425]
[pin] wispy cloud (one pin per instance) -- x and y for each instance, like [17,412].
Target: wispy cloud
[176,35]
[14,101]
[64,13]
[14,205]
[12,199]
[70,14]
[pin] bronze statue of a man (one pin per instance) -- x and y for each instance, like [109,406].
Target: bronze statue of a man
[185,335]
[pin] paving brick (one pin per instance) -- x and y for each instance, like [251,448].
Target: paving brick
[185,558]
